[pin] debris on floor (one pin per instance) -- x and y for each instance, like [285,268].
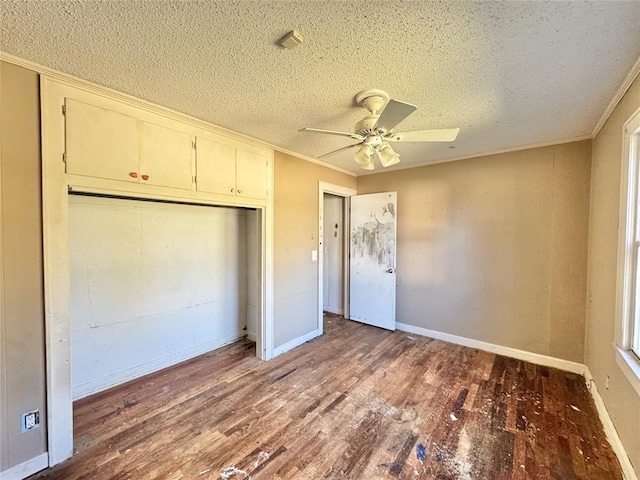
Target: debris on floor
[421,452]
[227,472]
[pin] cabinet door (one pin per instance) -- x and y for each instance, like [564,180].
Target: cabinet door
[215,167]
[251,174]
[166,157]
[100,142]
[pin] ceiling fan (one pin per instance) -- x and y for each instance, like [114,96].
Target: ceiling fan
[375,131]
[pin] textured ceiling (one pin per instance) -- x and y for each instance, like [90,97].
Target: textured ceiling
[508,74]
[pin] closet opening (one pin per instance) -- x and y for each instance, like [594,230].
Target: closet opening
[154,283]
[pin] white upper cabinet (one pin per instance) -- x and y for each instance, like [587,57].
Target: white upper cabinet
[101,143]
[108,144]
[216,167]
[167,157]
[231,168]
[107,141]
[251,173]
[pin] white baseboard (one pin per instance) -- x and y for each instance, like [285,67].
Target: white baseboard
[536,358]
[252,336]
[609,429]
[26,469]
[336,311]
[296,342]
[574,367]
[103,383]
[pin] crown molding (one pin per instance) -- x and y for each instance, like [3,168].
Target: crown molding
[483,154]
[628,80]
[314,160]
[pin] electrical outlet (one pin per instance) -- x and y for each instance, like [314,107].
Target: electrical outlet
[30,420]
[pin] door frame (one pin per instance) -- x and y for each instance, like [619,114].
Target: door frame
[345,193]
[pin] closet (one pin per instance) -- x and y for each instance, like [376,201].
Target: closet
[158,234]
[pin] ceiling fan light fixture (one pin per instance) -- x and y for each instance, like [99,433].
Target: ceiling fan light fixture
[387,155]
[364,157]
[376,130]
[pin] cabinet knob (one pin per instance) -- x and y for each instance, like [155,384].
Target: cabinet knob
[145,177]
[133,174]
[232,190]
[239,190]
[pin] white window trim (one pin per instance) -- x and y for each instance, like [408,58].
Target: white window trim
[625,297]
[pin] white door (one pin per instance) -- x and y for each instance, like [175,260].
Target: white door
[373,259]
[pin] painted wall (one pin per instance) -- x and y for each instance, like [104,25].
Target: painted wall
[296,236]
[22,360]
[494,248]
[621,400]
[152,284]
[332,272]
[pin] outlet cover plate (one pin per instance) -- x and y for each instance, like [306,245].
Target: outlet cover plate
[30,421]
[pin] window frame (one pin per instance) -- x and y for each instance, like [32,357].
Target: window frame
[627,340]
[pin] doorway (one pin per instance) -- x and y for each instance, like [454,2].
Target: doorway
[333,250]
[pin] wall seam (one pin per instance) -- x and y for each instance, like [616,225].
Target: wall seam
[552,243]
[3,413]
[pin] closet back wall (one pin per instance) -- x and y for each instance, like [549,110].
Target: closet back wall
[151,284]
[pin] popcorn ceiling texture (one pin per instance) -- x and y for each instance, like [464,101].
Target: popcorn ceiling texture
[509,74]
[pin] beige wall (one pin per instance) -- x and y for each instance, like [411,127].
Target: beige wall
[22,376]
[621,400]
[296,236]
[494,248]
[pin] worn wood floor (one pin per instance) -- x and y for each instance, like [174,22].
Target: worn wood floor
[357,403]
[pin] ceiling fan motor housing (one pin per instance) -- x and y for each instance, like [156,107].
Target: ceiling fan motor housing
[365,126]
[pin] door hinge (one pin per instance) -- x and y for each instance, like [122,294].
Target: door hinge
[64,158]
[194,178]
[64,110]
[193,144]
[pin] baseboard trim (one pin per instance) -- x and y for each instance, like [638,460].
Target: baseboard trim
[296,342]
[610,431]
[251,336]
[26,469]
[536,358]
[335,311]
[100,384]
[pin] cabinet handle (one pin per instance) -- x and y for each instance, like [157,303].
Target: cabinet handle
[239,191]
[133,174]
[232,190]
[145,177]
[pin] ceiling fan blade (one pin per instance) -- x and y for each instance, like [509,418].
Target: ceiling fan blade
[340,150]
[355,136]
[394,112]
[441,135]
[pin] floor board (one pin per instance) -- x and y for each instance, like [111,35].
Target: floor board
[357,403]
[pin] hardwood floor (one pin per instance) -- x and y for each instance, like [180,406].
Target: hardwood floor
[357,403]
